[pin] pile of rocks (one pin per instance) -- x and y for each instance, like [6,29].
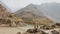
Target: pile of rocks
[34,31]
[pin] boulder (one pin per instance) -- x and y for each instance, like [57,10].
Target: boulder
[54,32]
[18,33]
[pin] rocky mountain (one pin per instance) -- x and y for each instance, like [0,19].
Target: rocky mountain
[9,19]
[32,9]
[30,13]
[52,10]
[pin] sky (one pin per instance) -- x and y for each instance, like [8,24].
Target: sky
[15,5]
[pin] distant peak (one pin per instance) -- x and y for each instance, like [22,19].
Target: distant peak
[31,4]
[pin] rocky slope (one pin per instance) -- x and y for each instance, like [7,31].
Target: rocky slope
[9,19]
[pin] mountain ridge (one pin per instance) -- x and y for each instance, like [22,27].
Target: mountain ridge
[52,10]
[32,9]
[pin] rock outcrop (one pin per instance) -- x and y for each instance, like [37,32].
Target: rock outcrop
[34,31]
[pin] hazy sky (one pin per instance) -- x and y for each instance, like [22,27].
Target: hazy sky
[17,4]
